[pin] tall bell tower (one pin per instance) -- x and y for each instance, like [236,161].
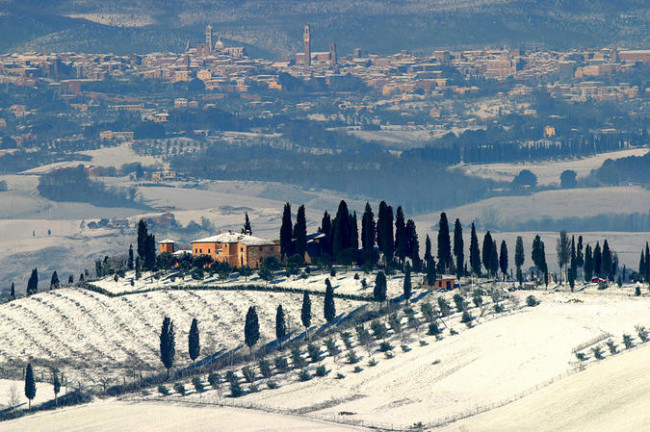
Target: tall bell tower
[307,38]
[208,38]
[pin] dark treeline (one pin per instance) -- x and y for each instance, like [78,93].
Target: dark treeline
[635,169]
[16,162]
[632,222]
[74,185]
[494,145]
[419,185]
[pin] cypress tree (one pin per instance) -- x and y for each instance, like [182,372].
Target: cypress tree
[99,271]
[13,290]
[544,266]
[431,271]
[411,234]
[280,324]
[381,225]
[32,283]
[167,344]
[194,345]
[503,258]
[368,229]
[647,263]
[598,260]
[459,247]
[330,308]
[589,264]
[130,260]
[150,253]
[546,276]
[342,229]
[580,259]
[487,252]
[407,288]
[247,225]
[494,259]
[390,243]
[143,236]
[474,253]
[326,228]
[30,385]
[641,267]
[300,232]
[572,273]
[573,266]
[415,256]
[379,291]
[401,245]
[285,232]
[385,231]
[607,262]
[520,258]
[444,244]
[427,248]
[354,232]
[563,250]
[56,384]
[305,311]
[251,328]
[54,282]
[138,266]
[536,253]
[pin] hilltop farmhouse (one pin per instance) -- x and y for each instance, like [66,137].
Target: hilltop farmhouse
[237,249]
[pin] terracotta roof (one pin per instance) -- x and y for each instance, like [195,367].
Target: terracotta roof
[232,237]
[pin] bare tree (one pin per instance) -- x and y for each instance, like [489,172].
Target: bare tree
[105,382]
[13,395]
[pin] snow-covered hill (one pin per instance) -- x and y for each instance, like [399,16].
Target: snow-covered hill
[89,335]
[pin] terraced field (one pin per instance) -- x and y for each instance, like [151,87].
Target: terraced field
[89,335]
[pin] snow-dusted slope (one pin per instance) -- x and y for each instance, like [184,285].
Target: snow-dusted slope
[503,358]
[91,335]
[611,396]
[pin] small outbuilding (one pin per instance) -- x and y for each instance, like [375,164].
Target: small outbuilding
[444,282]
[167,245]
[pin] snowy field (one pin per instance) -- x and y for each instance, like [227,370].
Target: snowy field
[509,357]
[91,335]
[504,361]
[548,172]
[145,417]
[495,360]
[611,396]
[343,283]
[557,204]
[105,157]
[11,388]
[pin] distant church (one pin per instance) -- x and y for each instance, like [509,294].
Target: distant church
[209,47]
[308,57]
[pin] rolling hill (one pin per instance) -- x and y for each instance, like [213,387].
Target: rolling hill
[274,29]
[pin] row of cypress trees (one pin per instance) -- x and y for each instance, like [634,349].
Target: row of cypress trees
[251,327]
